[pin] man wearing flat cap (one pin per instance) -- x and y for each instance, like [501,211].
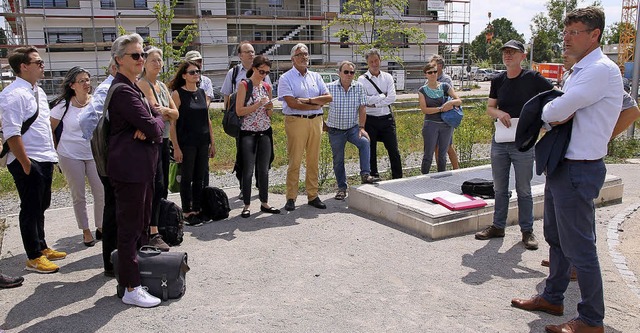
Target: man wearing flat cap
[509,92]
[205,82]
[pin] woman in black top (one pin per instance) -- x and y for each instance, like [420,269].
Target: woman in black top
[435,98]
[192,137]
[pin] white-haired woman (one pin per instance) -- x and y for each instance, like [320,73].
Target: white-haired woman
[158,95]
[134,142]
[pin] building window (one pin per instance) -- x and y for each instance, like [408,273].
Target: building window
[107,3]
[140,4]
[63,36]
[276,3]
[143,32]
[109,35]
[343,42]
[342,9]
[47,3]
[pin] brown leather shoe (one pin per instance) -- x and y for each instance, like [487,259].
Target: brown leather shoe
[574,326]
[538,303]
[545,262]
[574,273]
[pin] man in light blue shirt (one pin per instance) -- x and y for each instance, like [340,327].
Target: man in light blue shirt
[88,117]
[303,94]
[569,212]
[347,116]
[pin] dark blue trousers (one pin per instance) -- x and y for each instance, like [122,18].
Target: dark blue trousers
[569,228]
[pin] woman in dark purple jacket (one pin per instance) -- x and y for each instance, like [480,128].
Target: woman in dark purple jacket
[134,140]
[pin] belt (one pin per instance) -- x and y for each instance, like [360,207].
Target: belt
[381,117]
[582,161]
[307,116]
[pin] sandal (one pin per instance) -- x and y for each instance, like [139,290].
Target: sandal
[245,213]
[270,210]
[341,195]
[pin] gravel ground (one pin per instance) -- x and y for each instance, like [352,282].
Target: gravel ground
[10,203]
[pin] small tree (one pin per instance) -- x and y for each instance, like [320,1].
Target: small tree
[172,48]
[366,24]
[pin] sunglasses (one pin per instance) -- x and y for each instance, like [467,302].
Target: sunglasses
[264,72]
[137,56]
[431,72]
[348,72]
[193,72]
[38,62]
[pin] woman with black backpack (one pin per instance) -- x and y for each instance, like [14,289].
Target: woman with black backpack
[256,142]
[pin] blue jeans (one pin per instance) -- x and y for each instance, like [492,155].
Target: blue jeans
[502,156]
[569,228]
[338,139]
[435,134]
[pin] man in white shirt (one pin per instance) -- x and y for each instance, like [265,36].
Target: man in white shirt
[569,212]
[205,82]
[303,94]
[32,155]
[381,93]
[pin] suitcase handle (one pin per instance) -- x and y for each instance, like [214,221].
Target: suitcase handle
[149,250]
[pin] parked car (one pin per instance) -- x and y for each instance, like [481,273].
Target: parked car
[329,77]
[484,74]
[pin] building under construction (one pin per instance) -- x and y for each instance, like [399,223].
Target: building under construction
[80,32]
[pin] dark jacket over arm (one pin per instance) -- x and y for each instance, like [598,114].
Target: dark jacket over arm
[132,160]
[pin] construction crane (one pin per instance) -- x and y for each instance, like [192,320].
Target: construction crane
[627,42]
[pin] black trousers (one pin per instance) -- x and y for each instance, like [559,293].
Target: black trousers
[34,190]
[109,226]
[165,158]
[159,190]
[237,167]
[195,163]
[256,153]
[383,129]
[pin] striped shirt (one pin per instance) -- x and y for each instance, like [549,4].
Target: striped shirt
[343,110]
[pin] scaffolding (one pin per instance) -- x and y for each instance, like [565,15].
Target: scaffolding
[80,32]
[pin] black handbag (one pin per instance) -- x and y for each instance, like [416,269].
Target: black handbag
[163,273]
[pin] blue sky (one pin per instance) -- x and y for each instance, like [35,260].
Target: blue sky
[520,12]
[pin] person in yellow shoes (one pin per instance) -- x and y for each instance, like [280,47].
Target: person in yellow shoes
[25,118]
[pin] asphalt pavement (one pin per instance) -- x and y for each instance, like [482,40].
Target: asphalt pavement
[311,270]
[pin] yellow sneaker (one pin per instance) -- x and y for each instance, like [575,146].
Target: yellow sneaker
[41,265]
[52,254]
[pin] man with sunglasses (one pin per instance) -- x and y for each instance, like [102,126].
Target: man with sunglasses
[592,98]
[31,155]
[346,120]
[246,53]
[509,92]
[303,93]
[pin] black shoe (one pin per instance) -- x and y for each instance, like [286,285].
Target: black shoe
[317,203]
[98,234]
[291,205]
[90,243]
[109,273]
[193,220]
[7,281]
[270,210]
[245,213]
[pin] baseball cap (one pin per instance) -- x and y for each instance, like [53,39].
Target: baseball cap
[192,55]
[513,44]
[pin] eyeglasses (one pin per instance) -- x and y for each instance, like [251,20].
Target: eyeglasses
[37,62]
[137,56]
[431,72]
[264,72]
[348,72]
[83,81]
[573,33]
[509,51]
[301,54]
[193,72]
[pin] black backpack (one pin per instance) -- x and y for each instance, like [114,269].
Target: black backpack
[215,203]
[231,122]
[171,222]
[479,187]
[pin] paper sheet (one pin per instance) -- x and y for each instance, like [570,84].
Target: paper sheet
[449,196]
[504,134]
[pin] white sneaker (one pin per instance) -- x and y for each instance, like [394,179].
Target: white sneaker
[140,297]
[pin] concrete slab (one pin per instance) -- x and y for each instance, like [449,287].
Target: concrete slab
[396,201]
